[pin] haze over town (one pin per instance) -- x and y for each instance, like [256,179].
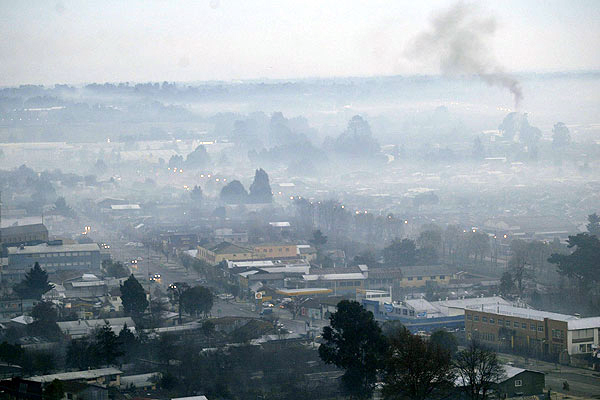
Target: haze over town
[234,200]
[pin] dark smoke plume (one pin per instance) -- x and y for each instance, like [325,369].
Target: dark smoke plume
[458,38]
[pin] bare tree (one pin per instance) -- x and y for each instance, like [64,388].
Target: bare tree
[478,369]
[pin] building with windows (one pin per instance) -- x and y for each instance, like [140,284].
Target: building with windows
[520,329]
[215,253]
[52,257]
[419,276]
[24,234]
[339,280]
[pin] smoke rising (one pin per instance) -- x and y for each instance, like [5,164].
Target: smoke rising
[458,38]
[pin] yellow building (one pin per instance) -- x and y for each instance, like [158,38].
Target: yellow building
[214,254]
[419,276]
[275,250]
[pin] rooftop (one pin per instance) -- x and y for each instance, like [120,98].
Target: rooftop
[45,248]
[528,313]
[86,374]
[23,229]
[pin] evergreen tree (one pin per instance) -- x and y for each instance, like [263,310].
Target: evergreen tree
[133,297]
[34,285]
[260,190]
[196,195]
[234,193]
[197,299]
[593,226]
[108,346]
[354,342]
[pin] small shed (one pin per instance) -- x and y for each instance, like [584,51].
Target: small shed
[520,382]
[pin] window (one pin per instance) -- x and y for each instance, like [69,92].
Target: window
[518,383]
[491,320]
[442,277]
[419,278]
[483,319]
[476,318]
[469,317]
[432,278]
[410,278]
[540,328]
[42,256]
[507,323]
[500,322]
[532,327]
[516,324]
[524,325]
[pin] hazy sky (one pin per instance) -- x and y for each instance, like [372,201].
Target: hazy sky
[194,40]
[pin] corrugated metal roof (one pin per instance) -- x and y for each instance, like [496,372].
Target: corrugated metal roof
[69,376]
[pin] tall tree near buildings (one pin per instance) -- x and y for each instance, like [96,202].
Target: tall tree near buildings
[199,158]
[234,193]
[478,369]
[176,290]
[506,283]
[318,240]
[197,299]
[354,342]
[416,369]
[197,196]
[583,264]
[115,269]
[517,264]
[133,297]
[34,285]
[400,252]
[593,226]
[561,136]
[128,342]
[107,346]
[445,340]
[260,190]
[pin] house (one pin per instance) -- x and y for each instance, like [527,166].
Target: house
[520,382]
[514,382]
[80,328]
[103,376]
[140,381]
[228,235]
[20,389]
[275,250]
[84,391]
[11,308]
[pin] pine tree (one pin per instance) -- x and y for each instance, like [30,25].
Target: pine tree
[133,297]
[34,285]
[260,190]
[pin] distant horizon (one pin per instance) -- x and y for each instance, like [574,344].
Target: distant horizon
[521,74]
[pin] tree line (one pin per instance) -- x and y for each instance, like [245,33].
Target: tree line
[406,366]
